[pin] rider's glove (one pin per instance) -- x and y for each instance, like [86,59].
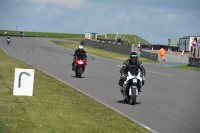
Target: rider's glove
[123,76]
[143,77]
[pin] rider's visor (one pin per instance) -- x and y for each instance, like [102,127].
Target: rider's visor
[133,58]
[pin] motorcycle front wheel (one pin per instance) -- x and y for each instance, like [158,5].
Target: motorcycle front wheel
[132,97]
[79,72]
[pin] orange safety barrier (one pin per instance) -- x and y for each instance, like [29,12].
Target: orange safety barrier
[182,54]
[176,53]
[188,54]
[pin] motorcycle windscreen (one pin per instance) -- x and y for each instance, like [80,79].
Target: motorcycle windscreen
[80,57]
[133,71]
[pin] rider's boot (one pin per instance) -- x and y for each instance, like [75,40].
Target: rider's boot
[73,66]
[140,87]
[121,90]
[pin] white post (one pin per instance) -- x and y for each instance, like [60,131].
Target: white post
[196,52]
[132,47]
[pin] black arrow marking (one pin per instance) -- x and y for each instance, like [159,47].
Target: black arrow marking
[20,75]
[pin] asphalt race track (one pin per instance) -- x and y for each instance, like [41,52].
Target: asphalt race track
[169,101]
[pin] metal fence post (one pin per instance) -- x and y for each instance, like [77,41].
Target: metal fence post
[132,47]
[191,51]
[196,52]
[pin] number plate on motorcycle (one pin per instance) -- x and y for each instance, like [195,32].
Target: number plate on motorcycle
[134,80]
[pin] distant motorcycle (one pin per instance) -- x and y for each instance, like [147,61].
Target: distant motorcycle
[79,67]
[8,41]
[131,86]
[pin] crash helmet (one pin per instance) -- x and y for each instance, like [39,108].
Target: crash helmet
[8,36]
[80,48]
[133,57]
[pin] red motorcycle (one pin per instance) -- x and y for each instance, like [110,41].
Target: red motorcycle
[79,67]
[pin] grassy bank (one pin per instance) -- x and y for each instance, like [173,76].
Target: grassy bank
[187,67]
[45,34]
[134,39]
[102,53]
[54,107]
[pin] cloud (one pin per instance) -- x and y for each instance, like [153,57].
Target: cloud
[158,10]
[71,4]
[122,15]
[122,18]
[78,21]
[171,16]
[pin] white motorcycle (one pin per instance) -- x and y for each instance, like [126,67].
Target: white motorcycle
[130,86]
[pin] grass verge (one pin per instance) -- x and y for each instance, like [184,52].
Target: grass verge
[54,107]
[75,39]
[187,67]
[45,34]
[102,53]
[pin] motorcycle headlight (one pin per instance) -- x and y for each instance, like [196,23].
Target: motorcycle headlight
[80,62]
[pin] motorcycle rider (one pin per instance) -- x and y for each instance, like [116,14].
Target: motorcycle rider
[79,51]
[8,39]
[132,63]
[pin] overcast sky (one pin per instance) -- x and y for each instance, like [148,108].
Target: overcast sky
[153,20]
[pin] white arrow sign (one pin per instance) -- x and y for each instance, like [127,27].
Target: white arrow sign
[23,82]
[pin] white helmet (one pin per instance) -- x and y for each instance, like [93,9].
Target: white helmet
[80,47]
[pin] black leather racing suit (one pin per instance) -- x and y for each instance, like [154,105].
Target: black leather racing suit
[80,52]
[126,66]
